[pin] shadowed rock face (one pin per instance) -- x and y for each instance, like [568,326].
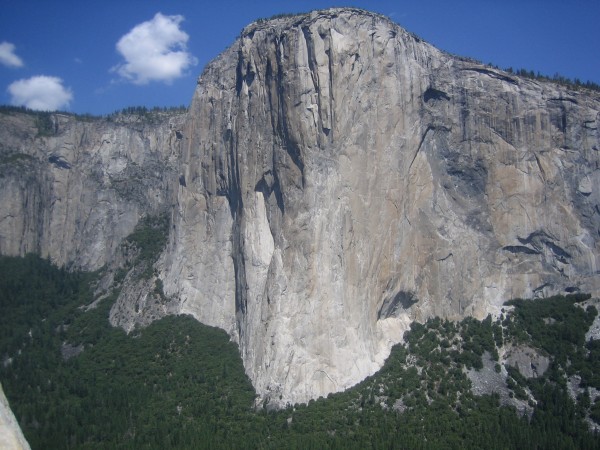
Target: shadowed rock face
[337,178]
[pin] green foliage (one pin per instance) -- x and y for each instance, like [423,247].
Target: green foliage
[42,117]
[144,115]
[175,384]
[179,384]
[35,297]
[277,16]
[144,111]
[515,382]
[557,326]
[556,78]
[148,239]
[595,412]
[44,124]
[10,109]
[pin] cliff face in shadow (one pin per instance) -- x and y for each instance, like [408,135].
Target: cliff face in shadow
[335,179]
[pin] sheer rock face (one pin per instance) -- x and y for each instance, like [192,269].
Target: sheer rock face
[346,178]
[337,178]
[11,436]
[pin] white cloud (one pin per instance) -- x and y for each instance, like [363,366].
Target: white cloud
[155,51]
[41,93]
[8,56]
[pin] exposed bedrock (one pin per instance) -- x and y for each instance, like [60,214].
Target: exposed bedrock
[345,178]
[335,179]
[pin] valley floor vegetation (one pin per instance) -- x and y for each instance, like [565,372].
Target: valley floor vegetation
[74,382]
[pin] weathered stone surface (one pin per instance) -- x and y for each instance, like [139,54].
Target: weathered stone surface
[335,179]
[365,179]
[75,191]
[531,363]
[11,436]
[488,381]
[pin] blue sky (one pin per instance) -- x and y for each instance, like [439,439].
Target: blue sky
[97,57]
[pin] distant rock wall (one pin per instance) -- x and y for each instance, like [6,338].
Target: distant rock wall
[335,179]
[74,190]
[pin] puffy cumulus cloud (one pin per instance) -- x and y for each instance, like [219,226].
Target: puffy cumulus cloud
[8,56]
[41,92]
[155,51]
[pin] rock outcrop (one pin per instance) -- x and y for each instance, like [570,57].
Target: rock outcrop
[335,179]
[11,436]
[530,363]
[73,188]
[362,179]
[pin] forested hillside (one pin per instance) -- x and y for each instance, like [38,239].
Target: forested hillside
[75,382]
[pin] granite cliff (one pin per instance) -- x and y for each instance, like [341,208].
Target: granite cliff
[73,188]
[334,179]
